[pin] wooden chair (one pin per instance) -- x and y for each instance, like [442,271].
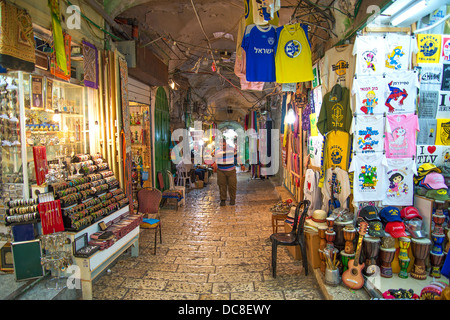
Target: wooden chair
[149,200]
[293,238]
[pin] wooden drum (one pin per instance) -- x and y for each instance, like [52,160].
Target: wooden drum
[371,248]
[386,256]
[420,250]
[339,227]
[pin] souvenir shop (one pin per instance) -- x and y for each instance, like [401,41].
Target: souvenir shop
[65,194]
[367,143]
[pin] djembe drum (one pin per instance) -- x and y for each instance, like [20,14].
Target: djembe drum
[436,261]
[349,236]
[438,241]
[323,258]
[387,255]
[322,241]
[345,258]
[330,236]
[339,227]
[438,220]
[403,258]
[420,250]
[404,244]
[330,224]
[371,248]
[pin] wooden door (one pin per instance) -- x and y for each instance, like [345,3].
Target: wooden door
[162,137]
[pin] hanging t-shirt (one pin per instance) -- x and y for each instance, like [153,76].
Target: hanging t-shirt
[259,43]
[311,190]
[429,48]
[445,55]
[337,149]
[427,133]
[430,84]
[400,141]
[338,67]
[443,132]
[335,115]
[368,178]
[369,94]
[254,14]
[368,133]
[293,56]
[402,91]
[336,186]
[445,77]
[315,145]
[400,182]
[398,51]
[370,53]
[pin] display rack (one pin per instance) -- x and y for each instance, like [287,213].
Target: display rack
[91,267]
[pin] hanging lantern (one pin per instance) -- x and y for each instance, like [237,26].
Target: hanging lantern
[290,116]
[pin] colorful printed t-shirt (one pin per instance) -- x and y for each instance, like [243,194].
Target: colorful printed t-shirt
[293,56]
[369,94]
[443,132]
[368,178]
[400,141]
[368,133]
[337,150]
[336,185]
[370,53]
[429,48]
[400,182]
[311,190]
[402,91]
[398,51]
[259,44]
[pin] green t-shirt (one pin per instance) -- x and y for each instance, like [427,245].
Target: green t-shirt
[335,115]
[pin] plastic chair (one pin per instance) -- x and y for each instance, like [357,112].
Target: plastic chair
[183,176]
[149,200]
[293,238]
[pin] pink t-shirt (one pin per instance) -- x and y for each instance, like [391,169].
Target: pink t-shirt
[400,141]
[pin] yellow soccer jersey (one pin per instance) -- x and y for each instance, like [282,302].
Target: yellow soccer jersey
[293,62]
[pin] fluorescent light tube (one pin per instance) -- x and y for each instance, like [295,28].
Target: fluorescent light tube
[408,13]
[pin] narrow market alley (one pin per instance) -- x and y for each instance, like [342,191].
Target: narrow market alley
[211,252]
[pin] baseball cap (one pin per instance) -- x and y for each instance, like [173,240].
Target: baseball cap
[410,213]
[424,169]
[414,227]
[440,194]
[434,181]
[390,214]
[396,229]
[369,213]
[376,229]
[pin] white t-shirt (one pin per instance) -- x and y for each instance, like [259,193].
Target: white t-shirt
[402,91]
[400,182]
[368,133]
[370,93]
[368,179]
[311,190]
[370,53]
[398,51]
[338,67]
[339,186]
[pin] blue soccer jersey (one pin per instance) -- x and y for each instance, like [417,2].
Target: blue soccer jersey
[260,43]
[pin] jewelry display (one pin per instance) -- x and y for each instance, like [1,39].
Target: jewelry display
[56,258]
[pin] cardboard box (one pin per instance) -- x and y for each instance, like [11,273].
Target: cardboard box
[312,247]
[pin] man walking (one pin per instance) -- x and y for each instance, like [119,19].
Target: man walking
[226,173]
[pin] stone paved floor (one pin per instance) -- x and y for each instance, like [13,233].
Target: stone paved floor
[211,252]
